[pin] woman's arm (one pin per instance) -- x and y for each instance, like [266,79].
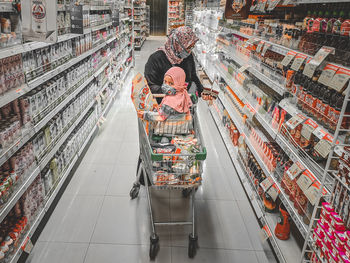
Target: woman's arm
[154,74]
[161,115]
[195,78]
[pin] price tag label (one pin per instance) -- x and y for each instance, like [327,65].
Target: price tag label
[312,192]
[305,180]
[259,47]
[323,147]
[266,47]
[249,111]
[243,68]
[295,121]
[339,151]
[288,107]
[293,157]
[272,4]
[267,183]
[250,41]
[309,69]
[321,55]
[288,58]
[340,79]
[295,170]
[327,74]
[265,233]
[308,128]
[273,192]
[298,61]
[27,245]
[320,133]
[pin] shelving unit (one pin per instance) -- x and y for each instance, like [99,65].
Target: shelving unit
[105,65]
[189,7]
[140,20]
[264,107]
[148,20]
[176,14]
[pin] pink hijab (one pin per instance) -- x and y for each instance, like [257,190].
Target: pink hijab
[181,101]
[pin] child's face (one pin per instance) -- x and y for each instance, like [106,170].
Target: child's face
[168,80]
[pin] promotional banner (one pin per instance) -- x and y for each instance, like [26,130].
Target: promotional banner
[237,9]
[39,20]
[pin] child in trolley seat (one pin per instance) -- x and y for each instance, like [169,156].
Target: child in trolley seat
[176,101]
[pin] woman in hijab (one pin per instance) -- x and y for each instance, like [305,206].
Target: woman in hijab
[175,52]
[176,100]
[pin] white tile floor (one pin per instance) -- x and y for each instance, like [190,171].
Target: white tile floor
[95,220]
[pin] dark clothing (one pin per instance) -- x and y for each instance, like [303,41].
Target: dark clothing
[158,64]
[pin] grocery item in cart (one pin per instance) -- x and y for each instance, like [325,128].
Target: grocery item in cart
[141,94]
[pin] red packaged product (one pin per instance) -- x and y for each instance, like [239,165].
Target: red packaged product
[326,211]
[337,223]
[329,237]
[333,257]
[344,258]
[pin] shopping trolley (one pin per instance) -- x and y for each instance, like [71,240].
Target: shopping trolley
[164,167]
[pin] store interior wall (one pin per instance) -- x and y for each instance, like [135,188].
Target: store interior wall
[158,20]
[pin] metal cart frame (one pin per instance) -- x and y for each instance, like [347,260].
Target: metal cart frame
[146,170]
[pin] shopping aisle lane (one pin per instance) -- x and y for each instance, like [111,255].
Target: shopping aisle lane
[58,252]
[179,254]
[219,225]
[95,220]
[111,253]
[126,222]
[73,219]
[93,179]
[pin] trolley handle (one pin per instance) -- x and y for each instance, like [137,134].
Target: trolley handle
[201,156]
[194,97]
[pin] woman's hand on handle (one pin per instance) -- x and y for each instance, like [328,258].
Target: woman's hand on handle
[140,114]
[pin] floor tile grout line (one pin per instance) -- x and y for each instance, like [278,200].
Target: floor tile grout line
[87,250]
[146,244]
[97,218]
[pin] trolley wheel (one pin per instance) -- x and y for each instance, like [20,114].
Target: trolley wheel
[134,192]
[154,247]
[186,192]
[192,246]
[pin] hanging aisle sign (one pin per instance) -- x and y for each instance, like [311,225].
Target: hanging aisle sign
[115,18]
[39,20]
[237,9]
[77,23]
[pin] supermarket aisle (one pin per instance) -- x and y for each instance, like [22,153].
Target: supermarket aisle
[95,220]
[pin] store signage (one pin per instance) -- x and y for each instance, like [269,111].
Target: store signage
[77,25]
[39,22]
[298,61]
[322,54]
[288,58]
[312,192]
[295,170]
[306,180]
[266,47]
[327,74]
[259,47]
[237,9]
[115,18]
[340,79]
